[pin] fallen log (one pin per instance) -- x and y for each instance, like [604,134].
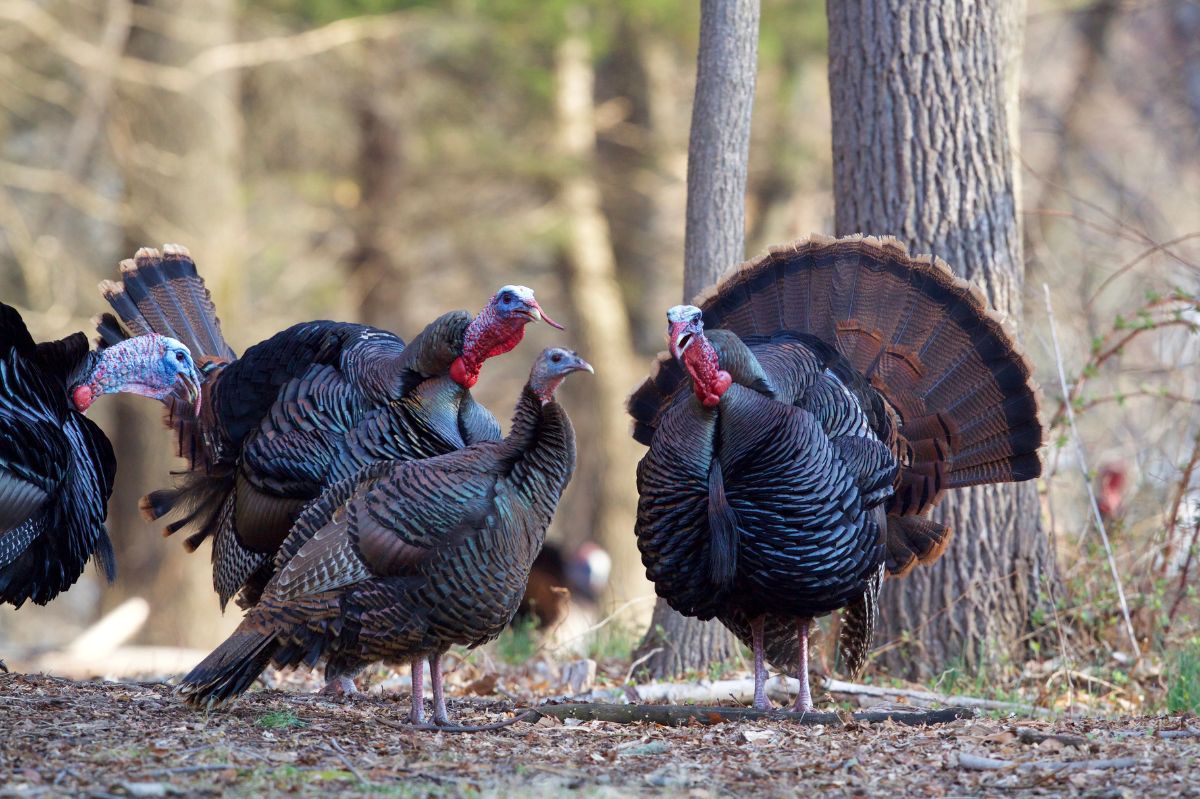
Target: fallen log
[681,715]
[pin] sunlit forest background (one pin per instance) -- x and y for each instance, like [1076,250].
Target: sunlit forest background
[385,161]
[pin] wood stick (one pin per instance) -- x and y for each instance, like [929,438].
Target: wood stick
[784,688]
[1028,735]
[1087,479]
[972,762]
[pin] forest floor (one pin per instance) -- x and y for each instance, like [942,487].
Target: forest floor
[60,737]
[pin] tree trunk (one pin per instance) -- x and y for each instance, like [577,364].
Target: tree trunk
[609,465]
[379,278]
[178,156]
[718,154]
[924,127]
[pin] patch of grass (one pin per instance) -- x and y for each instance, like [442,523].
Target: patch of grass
[614,641]
[1183,682]
[519,642]
[280,719]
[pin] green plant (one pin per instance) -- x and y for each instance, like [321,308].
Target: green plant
[615,640]
[1183,682]
[519,642]
[280,719]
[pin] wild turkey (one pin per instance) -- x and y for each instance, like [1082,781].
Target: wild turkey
[409,558]
[56,466]
[307,407]
[559,579]
[812,409]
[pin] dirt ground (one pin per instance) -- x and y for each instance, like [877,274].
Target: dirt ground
[64,738]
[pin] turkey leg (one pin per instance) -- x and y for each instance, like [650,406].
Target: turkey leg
[439,698]
[804,697]
[760,669]
[417,714]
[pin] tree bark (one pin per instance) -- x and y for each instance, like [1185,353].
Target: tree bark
[924,100]
[178,153]
[608,467]
[374,267]
[718,155]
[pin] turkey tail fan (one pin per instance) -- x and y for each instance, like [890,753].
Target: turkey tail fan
[911,540]
[109,330]
[925,339]
[230,669]
[164,294]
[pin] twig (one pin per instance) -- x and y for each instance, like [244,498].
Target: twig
[598,625]
[336,748]
[840,687]
[1112,563]
[1184,480]
[979,763]
[1158,247]
[1190,732]
[163,772]
[682,715]
[527,715]
[1028,735]
[638,662]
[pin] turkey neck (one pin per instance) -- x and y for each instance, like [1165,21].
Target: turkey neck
[539,449]
[389,371]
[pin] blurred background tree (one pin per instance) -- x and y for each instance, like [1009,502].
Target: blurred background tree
[386,161]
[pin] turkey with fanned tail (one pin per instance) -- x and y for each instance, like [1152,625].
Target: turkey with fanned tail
[56,466]
[408,559]
[303,409]
[814,406]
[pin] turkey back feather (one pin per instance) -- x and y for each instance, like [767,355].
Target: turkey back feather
[922,338]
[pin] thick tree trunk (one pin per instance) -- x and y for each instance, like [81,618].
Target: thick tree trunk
[924,127]
[718,154]
[178,156]
[375,270]
[607,467]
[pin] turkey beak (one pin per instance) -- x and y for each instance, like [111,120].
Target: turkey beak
[681,336]
[191,387]
[536,313]
[583,366]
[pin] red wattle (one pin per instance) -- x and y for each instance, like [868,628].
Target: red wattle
[82,397]
[460,375]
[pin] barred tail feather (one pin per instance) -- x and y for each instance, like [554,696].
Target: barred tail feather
[230,669]
[164,294]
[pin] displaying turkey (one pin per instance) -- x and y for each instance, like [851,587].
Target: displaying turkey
[303,409]
[813,408]
[56,466]
[410,558]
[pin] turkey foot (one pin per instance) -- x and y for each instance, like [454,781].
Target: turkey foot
[340,687]
[760,670]
[803,702]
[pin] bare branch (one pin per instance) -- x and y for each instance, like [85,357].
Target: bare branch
[214,60]
[58,183]
[1087,480]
